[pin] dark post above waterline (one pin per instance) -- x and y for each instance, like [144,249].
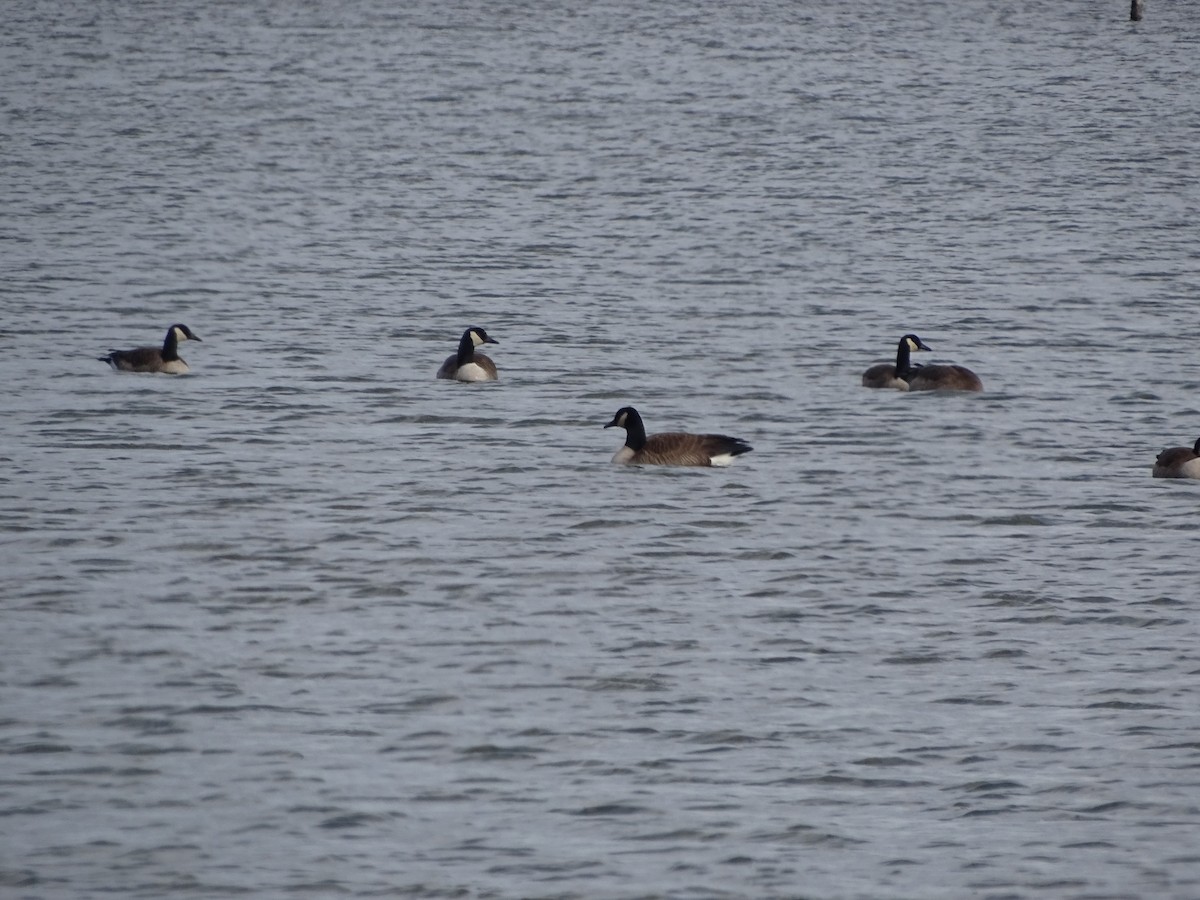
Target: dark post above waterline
[1135,10]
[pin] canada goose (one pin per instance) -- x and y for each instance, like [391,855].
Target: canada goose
[888,376]
[466,364]
[153,359]
[1178,462]
[672,448]
[920,378]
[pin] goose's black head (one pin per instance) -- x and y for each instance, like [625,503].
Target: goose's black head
[182,333]
[635,432]
[479,336]
[914,343]
[623,417]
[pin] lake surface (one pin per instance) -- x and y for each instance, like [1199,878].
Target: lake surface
[308,622]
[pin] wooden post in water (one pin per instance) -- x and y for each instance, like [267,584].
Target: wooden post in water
[1135,10]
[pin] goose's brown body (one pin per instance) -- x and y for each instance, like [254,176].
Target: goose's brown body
[1178,462]
[944,378]
[883,375]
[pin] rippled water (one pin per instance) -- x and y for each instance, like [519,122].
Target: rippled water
[309,622]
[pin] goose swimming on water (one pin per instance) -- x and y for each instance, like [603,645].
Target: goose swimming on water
[885,375]
[1178,462]
[153,359]
[672,448]
[905,376]
[466,364]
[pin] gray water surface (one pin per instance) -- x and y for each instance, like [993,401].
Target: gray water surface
[307,622]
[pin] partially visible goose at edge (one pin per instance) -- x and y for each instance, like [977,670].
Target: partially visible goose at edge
[466,364]
[1178,462]
[884,375]
[672,448]
[153,359]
